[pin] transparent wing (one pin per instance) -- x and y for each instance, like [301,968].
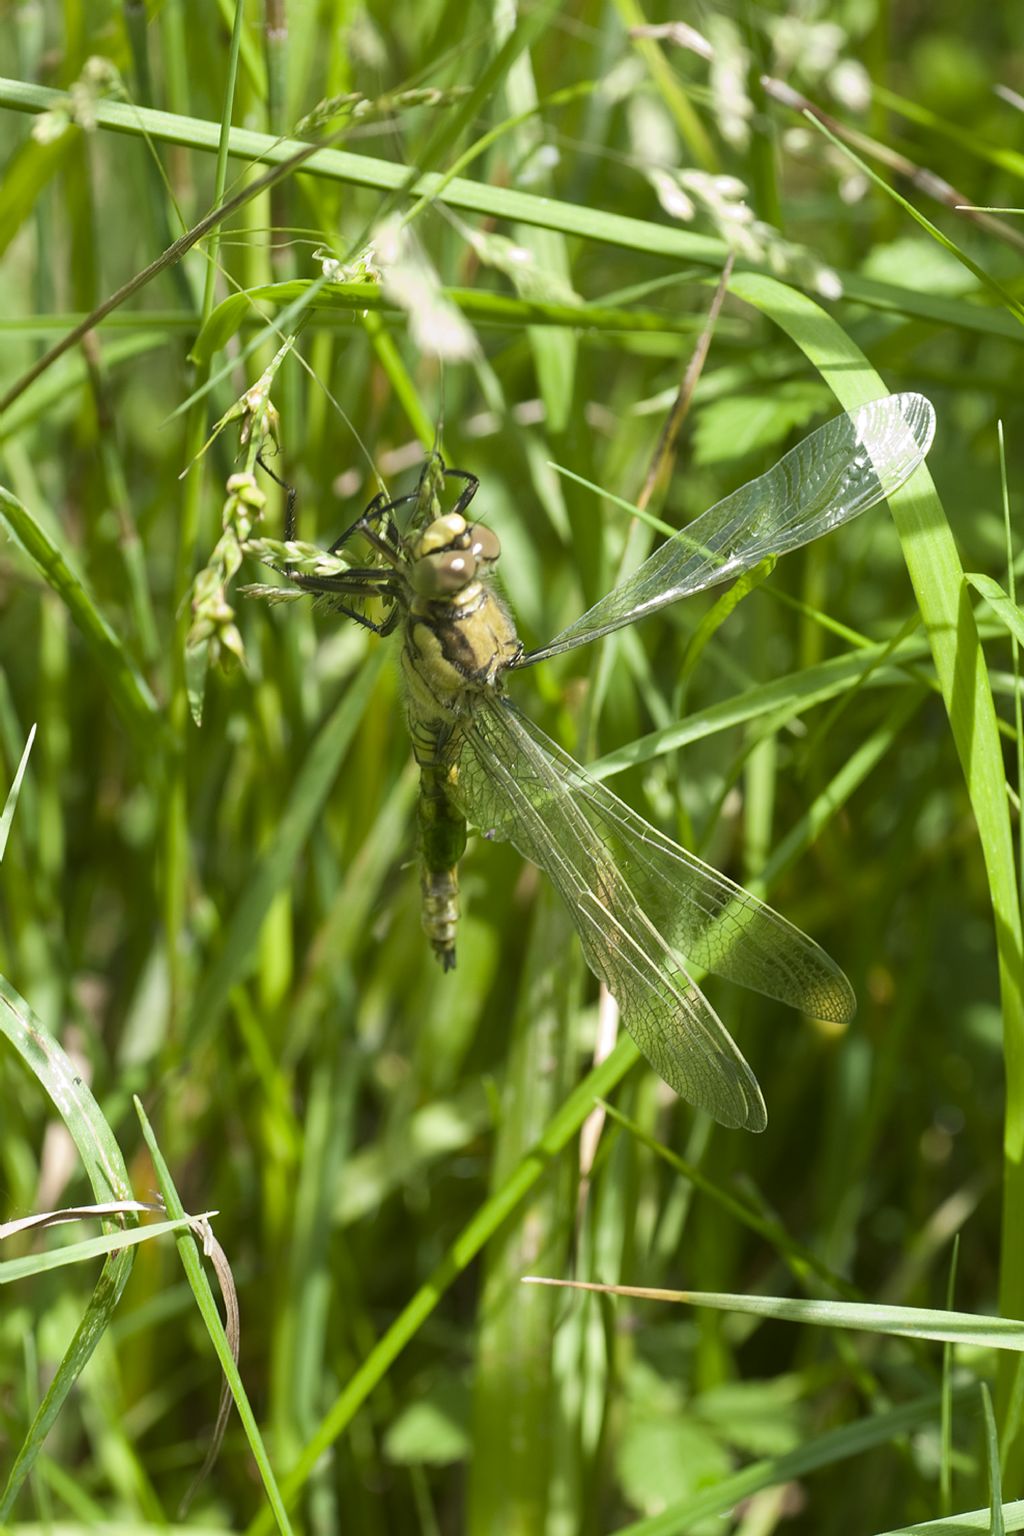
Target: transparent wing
[509,784]
[832,476]
[710,919]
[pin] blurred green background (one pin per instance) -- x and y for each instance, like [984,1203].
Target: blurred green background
[224,920]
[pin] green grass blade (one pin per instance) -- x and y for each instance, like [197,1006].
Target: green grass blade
[995,1478]
[977,1520]
[1001,603]
[10,804]
[601,225]
[937,578]
[783,699]
[193,1267]
[479,305]
[984,278]
[128,688]
[976,1331]
[80,1253]
[104,1165]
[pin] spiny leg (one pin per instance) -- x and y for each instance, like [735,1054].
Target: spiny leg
[370,514]
[292,494]
[375,583]
[465,496]
[376,511]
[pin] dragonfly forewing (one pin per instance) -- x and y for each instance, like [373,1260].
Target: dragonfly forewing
[510,786]
[847,466]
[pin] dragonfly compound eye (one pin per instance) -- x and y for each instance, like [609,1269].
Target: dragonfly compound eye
[445,573]
[484,544]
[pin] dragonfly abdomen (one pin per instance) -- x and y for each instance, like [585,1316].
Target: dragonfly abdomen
[442,844]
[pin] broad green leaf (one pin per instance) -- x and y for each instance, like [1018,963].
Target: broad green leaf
[433,1430]
[740,424]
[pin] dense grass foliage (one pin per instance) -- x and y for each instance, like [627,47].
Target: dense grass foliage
[213,982]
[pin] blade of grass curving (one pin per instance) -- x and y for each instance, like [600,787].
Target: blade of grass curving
[69,1094]
[937,577]
[1003,604]
[81,1253]
[104,1166]
[127,686]
[193,1267]
[973,1329]
[7,815]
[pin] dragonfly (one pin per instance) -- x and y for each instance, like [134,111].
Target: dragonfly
[646,910]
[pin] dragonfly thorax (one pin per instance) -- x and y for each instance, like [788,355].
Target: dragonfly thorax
[449,555]
[459,636]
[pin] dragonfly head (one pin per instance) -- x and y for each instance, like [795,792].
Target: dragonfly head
[450,554]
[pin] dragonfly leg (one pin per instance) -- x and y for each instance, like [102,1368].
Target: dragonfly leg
[368,582]
[370,514]
[465,496]
[292,493]
[383,628]
[389,544]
